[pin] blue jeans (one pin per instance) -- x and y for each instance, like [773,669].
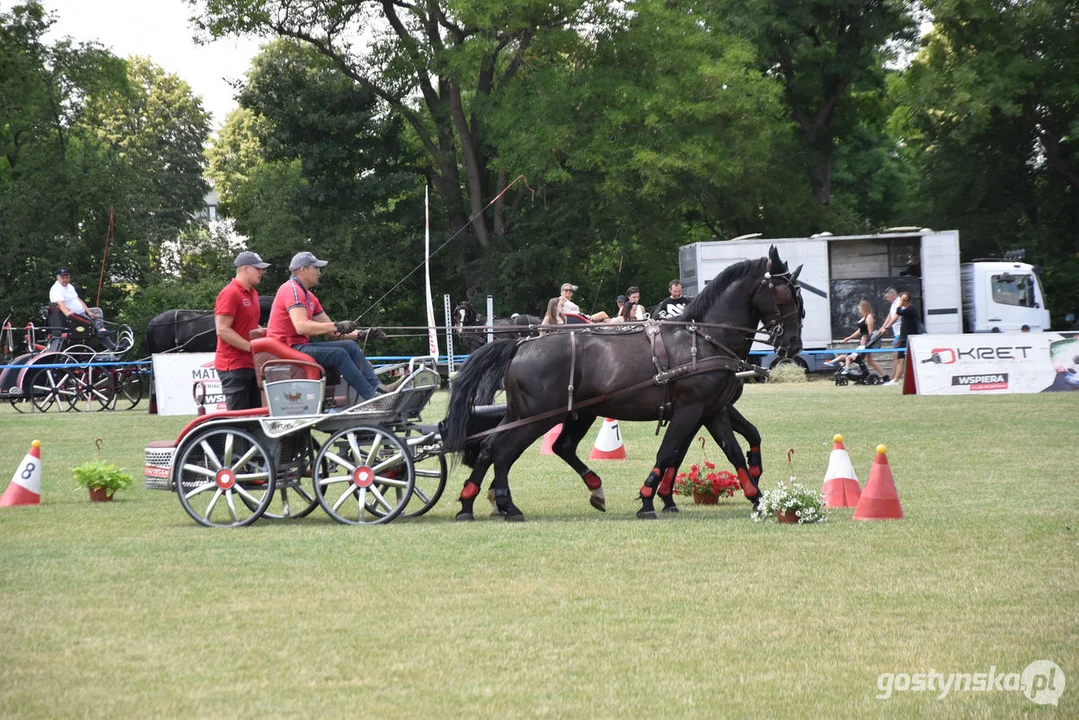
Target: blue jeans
[349,360]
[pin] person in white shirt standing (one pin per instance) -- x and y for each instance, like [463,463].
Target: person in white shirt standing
[896,323]
[66,298]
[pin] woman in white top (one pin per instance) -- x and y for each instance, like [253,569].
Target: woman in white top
[555,314]
[568,306]
[633,296]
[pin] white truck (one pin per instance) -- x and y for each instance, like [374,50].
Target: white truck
[839,271]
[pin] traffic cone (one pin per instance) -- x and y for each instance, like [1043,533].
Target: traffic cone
[548,440]
[841,488]
[879,500]
[25,487]
[609,444]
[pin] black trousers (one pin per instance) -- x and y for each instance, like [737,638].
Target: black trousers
[240,389]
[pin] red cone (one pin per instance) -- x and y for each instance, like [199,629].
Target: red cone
[25,487]
[548,440]
[841,488]
[879,500]
[609,445]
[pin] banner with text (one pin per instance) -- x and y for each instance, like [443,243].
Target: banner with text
[180,378]
[994,363]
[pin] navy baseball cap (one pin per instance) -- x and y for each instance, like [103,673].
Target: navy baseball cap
[63,271]
[620,298]
[305,259]
[250,258]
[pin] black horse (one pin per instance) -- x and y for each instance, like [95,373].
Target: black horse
[191,330]
[681,371]
[471,326]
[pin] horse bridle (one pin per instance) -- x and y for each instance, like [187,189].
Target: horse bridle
[787,292]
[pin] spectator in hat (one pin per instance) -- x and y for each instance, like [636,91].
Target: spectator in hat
[66,298]
[236,315]
[297,316]
[620,301]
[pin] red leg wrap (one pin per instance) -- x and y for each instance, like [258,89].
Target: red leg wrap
[646,491]
[591,480]
[665,483]
[748,487]
[470,490]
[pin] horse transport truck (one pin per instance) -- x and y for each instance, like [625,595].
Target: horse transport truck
[987,295]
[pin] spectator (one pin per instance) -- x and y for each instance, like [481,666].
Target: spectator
[862,333]
[555,314]
[1025,328]
[620,301]
[633,296]
[236,314]
[674,305]
[911,325]
[568,306]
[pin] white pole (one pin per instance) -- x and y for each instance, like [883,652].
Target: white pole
[490,318]
[449,333]
[432,333]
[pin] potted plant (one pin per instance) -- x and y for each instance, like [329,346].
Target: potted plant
[101,479]
[791,502]
[706,486]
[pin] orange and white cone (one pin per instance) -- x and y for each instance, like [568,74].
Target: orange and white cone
[841,488]
[609,445]
[549,439]
[25,487]
[880,500]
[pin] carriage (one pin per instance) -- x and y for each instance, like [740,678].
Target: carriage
[312,443]
[63,365]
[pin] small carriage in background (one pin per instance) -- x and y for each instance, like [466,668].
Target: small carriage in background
[60,366]
[313,442]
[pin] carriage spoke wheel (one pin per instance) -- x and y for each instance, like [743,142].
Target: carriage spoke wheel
[131,386]
[224,477]
[430,469]
[53,387]
[294,489]
[364,476]
[92,388]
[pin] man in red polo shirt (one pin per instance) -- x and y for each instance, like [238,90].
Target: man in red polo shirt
[236,314]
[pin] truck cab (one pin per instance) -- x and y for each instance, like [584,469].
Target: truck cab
[1002,295]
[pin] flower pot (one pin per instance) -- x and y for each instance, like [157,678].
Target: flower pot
[704,499]
[100,494]
[787,517]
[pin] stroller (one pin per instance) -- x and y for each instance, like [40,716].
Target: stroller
[858,372]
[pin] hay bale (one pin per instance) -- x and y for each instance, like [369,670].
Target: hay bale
[788,372]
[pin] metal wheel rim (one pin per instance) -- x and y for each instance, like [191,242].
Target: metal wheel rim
[294,496]
[346,453]
[431,473]
[52,386]
[204,457]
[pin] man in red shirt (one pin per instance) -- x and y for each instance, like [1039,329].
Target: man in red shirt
[236,314]
[297,316]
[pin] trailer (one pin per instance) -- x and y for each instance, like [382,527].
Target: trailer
[988,295]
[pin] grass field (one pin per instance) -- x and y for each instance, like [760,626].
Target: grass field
[129,609]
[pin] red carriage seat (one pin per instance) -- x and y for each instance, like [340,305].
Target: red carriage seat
[297,365]
[576,319]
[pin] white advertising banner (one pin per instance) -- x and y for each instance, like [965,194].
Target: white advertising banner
[994,363]
[181,377]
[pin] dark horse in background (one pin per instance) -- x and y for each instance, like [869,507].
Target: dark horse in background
[683,371]
[471,326]
[191,330]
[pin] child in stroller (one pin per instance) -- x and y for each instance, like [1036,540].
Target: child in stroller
[854,368]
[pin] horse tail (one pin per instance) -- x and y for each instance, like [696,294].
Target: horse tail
[476,384]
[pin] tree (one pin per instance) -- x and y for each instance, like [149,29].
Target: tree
[823,51]
[988,111]
[436,65]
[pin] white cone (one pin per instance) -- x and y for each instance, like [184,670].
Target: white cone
[609,444]
[25,487]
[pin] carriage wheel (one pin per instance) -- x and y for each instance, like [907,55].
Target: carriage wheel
[131,386]
[431,477]
[125,339]
[51,387]
[364,476]
[294,490]
[224,477]
[92,389]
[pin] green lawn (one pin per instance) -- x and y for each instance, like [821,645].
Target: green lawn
[130,609]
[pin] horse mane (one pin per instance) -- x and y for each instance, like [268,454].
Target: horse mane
[703,303]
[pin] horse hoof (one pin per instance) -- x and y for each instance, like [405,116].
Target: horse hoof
[464,517]
[671,509]
[647,515]
[598,503]
[515,517]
